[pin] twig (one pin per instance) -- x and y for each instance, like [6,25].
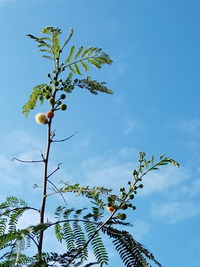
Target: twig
[58,191]
[19,208]
[28,161]
[63,140]
[58,167]
[42,156]
[33,240]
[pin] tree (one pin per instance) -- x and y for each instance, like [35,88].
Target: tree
[78,228]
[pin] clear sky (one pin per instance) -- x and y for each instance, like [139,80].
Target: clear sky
[155,77]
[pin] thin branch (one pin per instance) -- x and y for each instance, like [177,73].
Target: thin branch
[70,220]
[28,161]
[42,156]
[76,191]
[19,208]
[33,240]
[58,167]
[57,191]
[70,190]
[63,140]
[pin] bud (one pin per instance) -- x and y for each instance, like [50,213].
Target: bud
[41,118]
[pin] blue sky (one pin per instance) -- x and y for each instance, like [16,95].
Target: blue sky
[155,108]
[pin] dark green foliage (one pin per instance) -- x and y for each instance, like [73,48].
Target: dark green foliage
[80,240]
[97,244]
[132,253]
[93,86]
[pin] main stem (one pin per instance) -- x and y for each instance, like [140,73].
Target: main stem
[44,193]
[45,177]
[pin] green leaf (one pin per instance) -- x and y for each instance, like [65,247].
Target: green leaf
[95,63]
[58,232]
[79,52]
[70,54]
[68,38]
[77,69]
[48,57]
[46,50]
[30,105]
[88,50]
[85,66]
[72,69]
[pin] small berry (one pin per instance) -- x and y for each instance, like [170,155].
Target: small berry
[131,196]
[121,216]
[56,83]
[124,206]
[50,114]
[51,101]
[63,107]
[47,96]
[63,96]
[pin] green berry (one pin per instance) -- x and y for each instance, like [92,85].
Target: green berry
[56,83]
[141,186]
[109,199]
[59,103]
[121,216]
[41,98]
[51,101]
[124,206]
[63,107]
[131,196]
[48,75]
[63,96]
[47,96]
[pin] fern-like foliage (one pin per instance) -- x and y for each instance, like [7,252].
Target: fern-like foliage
[93,86]
[78,60]
[50,44]
[37,93]
[132,253]
[80,240]
[97,244]
[85,57]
